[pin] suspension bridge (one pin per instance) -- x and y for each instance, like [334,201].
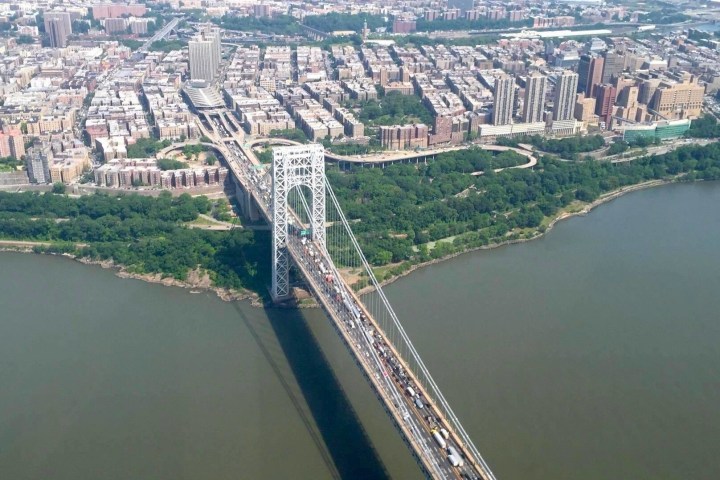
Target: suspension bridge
[311,231]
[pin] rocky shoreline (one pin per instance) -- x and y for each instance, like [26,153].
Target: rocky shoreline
[198,280]
[563,216]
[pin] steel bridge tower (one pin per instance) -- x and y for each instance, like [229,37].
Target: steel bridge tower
[295,167]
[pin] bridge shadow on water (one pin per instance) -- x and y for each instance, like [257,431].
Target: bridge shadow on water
[350,453]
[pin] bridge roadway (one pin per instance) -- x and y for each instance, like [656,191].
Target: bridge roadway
[386,158]
[159,35]
[384,368]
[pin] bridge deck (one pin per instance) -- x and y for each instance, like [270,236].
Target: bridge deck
[382,365]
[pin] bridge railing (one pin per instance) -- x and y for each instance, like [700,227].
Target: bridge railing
[351,261]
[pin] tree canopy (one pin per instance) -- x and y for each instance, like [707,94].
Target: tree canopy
[393,109]
[171,164]
[402,208]
[145,234]
[344,21]
[564,147]
[704,127]
[168,45]
[279,25]
[146,147]
[423,25]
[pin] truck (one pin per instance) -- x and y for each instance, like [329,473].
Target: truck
[455,461]
[454,457]
[410,391]
[439,439]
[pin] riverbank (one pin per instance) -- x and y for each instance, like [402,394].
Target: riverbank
[196,281]
[563,215]
[201,281]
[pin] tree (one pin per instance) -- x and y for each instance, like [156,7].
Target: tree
[291,134]
[381,257]
[618,147]
[168,45]
[80,26]
[131,44]
[170,164]
[146,147]
[465,24]
[58,188]
[265,156]
[704,127]
[344,21]
[279,24]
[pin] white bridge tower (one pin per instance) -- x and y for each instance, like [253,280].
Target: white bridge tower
[295,167]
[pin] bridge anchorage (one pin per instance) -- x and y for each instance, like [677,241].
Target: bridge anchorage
[323,247]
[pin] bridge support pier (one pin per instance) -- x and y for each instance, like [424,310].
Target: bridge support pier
[248,207]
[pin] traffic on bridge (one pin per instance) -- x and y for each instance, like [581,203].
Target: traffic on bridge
[443,450]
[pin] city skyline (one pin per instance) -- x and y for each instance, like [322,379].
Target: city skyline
[450,93]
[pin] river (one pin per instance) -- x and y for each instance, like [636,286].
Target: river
[593,352]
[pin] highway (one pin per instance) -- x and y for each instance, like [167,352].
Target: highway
[400,156]
[658,149]
[159,35]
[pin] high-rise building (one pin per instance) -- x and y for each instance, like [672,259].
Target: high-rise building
[583,70]
[584,108]
[262,10]
[58,27]
[613,65]
[549,48]
[565,91]
[116,10]
[503,100]
[139,26]
[605,101]
[12,144]
[401,137]
[37,162]
[404,25]
[115,25]
[212,32]
[678,99]
[205,54]
[431,15]
[589,74]
[534,98]
[627,107]
[202,66]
